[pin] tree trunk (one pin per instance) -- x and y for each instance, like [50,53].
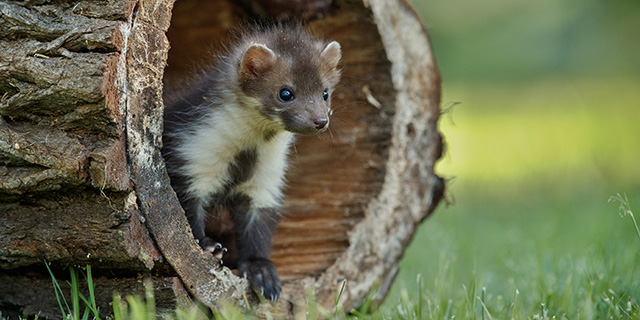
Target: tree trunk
[82,180]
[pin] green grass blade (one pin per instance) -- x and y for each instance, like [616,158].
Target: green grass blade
[86,313]
[87,305]
[58,291]
[357,314]
[137,308]
[150,300]
[514,315]
[75,296]
[117,304]
[419,302]
[89,308]
[344,283]
[91,286]
[484,306]
[95,310]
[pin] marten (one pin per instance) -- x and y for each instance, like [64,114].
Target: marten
[227,135]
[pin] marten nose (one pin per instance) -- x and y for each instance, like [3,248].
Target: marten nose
[320,122]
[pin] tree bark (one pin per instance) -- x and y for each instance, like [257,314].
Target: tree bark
[66,196]
[82,180]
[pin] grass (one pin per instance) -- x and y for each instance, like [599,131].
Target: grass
[77,299]
[520,274]
[532,234]
[563,130]
[136,307]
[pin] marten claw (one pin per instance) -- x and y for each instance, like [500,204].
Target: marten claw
[219,252]
[263,276]
[214,247]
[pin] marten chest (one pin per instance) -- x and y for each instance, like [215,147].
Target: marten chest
[231,168]
[253,180]
[239,171]
[228,156]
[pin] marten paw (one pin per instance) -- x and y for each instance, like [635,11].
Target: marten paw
[263,276]
[214,247]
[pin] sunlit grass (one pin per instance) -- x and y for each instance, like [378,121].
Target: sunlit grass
[567,260]
[573,129]
[531,234]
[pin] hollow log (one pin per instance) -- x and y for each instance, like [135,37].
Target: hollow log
[82,180]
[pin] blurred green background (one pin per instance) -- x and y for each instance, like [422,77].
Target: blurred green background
[542,102]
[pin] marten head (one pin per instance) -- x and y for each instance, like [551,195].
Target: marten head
[290,78]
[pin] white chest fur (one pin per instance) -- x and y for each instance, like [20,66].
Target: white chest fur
[212,147]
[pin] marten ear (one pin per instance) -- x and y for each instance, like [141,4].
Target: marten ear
[256,60]
[331,54]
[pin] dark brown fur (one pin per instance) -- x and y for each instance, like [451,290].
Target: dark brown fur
[256,68]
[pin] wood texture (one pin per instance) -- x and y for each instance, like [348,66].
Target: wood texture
[65,193]
[82,180]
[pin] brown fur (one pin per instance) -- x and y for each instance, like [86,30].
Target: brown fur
[257,67]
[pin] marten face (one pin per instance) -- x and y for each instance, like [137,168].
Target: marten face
[293,87]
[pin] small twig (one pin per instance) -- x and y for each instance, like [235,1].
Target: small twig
[370,98]
[246,301]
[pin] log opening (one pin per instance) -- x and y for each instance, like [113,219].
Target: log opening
[80,135]
[332,176]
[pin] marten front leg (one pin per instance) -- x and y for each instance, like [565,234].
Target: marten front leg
[196,214]
[255,231]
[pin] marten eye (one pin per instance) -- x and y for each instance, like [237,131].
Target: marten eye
[325,94]
[286,95]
